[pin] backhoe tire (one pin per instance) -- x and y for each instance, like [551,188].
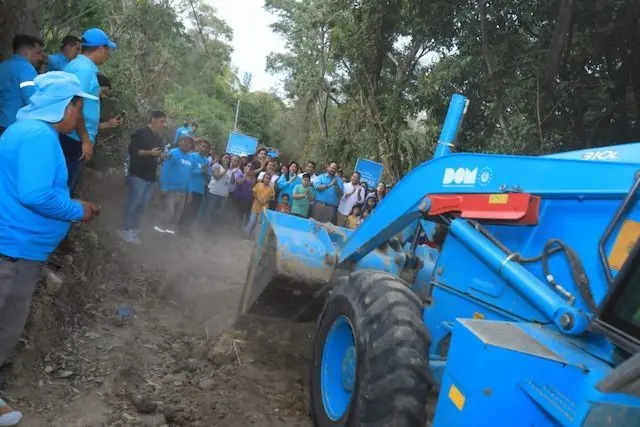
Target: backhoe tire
[386,380]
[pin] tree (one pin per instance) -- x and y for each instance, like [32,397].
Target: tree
[18,17]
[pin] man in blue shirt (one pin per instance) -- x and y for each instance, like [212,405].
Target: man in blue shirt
[329,188]
[16,77]
[35,208]
[185,130]
[175,177]
[69,50]
[199,180]
[78,145]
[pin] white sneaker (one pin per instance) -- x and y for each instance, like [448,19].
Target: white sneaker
[134,237]
[10,417]
[159,230]
[125,235]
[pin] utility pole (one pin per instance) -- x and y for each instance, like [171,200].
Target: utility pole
[246,85]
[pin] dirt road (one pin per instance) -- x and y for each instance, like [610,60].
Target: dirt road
[143,336]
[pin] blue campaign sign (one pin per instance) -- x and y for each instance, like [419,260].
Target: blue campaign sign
[241,145]
[370,171]
[273,153]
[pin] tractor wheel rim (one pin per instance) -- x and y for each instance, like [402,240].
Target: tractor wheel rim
[338,369]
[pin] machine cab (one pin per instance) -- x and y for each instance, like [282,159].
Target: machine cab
[619,316]
[619,321]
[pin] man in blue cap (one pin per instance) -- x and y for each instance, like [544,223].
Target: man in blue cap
[16,77]
[36,210]
[78,144]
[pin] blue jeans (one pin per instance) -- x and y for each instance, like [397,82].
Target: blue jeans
[253,219]
[213,206]
[138,196]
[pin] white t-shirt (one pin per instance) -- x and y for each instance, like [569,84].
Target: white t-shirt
[274,178]
[220,187]
[347,203]
[314,177]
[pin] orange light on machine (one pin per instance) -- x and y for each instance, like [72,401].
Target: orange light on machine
[514,208]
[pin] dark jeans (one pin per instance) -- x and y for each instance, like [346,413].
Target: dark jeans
[190,212]
[213,208]
[72,150]
[18,280]
[139,193]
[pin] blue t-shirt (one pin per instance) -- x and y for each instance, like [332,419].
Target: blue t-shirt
[183,130]
[87,72]
[16,87]
[176,171]
[199,174]
[330,195]
[57,62]
[35,207]
[285,188]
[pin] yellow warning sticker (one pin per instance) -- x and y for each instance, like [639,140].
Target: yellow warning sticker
[456,397]
[498,199]
[628,236]
[478,315]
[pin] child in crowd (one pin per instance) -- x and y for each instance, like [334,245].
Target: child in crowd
[197,185]
[365,214]
[283,206]
[175,176]
[353,220]
[302,197]
[370,204]
[263,193]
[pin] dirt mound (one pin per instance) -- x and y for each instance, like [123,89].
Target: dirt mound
[143,336]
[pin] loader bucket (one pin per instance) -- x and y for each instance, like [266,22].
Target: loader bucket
[293,258]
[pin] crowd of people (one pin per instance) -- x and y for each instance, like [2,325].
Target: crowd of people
[50,116]
[200,188]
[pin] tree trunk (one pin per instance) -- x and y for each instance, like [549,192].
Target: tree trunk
[558,44]
[498,90]
[18,17]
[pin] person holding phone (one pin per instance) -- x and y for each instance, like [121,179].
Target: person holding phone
[105,92]
[144,151]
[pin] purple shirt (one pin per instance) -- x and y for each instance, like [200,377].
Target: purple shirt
[244,191]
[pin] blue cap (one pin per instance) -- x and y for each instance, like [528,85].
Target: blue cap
[96,37]
[54,91]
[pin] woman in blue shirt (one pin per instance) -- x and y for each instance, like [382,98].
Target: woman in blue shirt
[288,181]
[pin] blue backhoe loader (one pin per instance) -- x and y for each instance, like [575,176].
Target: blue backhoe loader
[508,285]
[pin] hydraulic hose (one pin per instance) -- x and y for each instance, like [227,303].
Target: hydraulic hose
[551,247]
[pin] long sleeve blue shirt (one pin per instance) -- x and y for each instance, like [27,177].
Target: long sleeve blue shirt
[16,87]
[284,187]
[87,72]
[176,171]
[35,208]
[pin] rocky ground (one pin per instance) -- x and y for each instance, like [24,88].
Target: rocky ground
[145,336]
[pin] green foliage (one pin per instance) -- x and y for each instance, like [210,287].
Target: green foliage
[373,78]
